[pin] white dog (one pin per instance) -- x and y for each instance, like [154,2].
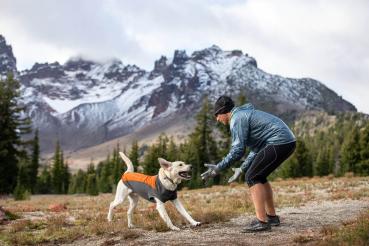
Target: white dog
[157,189]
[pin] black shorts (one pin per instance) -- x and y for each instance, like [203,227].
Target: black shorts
[266,161]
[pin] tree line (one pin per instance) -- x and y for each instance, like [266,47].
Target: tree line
[340,149]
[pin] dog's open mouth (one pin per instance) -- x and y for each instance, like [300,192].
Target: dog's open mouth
[185,175]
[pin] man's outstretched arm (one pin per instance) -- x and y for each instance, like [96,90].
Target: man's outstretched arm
[243,168]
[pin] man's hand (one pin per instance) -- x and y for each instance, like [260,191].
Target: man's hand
[237,173]
[211,172]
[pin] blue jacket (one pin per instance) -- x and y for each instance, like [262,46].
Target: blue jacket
[254,129]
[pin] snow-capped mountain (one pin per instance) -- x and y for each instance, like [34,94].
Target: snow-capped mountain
[7,59]
[83,103]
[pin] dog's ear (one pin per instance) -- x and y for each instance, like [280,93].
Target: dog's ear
[164,163]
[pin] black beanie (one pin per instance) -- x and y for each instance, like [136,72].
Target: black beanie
[223,105]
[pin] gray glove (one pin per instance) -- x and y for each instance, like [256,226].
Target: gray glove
[211,172]
[237,172]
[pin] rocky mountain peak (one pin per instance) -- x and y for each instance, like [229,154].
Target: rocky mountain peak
[160,64]
[42,71]
[180,57]
[8,63]
[207,53]
[78,63]
[159,67]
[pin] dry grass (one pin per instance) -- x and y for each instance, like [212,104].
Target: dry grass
[355,232]
[85,216]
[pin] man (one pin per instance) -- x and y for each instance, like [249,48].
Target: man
[271,142]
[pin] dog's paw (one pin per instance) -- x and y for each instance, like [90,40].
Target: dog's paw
[174,228]
[196,223]
[131,226]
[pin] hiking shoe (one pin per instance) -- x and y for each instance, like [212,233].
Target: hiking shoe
[273,220]
[256,226]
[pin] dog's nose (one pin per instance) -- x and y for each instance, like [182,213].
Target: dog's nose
[190,166]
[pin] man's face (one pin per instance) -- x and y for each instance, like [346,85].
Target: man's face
[223,118]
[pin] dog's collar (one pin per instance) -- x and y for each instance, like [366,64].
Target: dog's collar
[166,177]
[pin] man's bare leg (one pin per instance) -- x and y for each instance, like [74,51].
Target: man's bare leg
[258,198]
[269,202]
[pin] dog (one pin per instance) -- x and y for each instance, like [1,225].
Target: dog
[157,189]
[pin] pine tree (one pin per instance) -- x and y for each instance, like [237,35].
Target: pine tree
[332,154]
[134,155]
[300,163]
[44,183]
[91,168]
[99,168]
[322,164]
[172,153]
[22,190]
[117,165]
[78,183]
[363,165]
[150,163]
[364,143]
[91,188]
[350,152]
[66,178]
[57,171]
[34,162]
[13,125]
[104,182]
[201,146]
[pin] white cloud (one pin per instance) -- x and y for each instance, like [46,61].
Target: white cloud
[325,40]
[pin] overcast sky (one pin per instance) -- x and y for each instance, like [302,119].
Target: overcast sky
[325,40]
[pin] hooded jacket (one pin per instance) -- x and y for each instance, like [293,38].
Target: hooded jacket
[254,129]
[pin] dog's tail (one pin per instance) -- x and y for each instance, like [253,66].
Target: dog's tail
[128,162]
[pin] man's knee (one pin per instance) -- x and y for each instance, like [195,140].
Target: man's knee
[251,181]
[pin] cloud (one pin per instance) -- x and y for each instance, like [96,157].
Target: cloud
[321,39]
[77,27]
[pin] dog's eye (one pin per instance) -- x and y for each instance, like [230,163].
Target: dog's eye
[180,164]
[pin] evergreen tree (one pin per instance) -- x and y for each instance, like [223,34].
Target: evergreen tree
[78,183]
[44,182]
[22,191]
[163,146]
[201,146]
[34,161]
[300,163]
[364,143]
[99,168]
[13,125]
[91,188]
[322,164]
[117,165]
[66,178]
[150,163]
[363,165]
[350,152]
[91,168]
[104,182]
[332,156]
[134,155]
[57,171]
[172,154]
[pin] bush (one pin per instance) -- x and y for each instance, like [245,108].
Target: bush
[21,193]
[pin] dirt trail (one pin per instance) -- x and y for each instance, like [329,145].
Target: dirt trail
[304,221]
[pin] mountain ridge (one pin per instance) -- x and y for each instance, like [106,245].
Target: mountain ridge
[93,102]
